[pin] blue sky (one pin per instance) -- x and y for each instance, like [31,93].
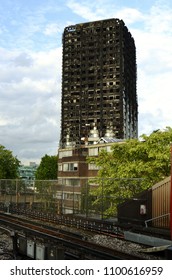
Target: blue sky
[30,66]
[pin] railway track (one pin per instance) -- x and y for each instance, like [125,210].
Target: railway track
[106,227]
[73,244]
[6,252]
[99,226]
[77,221]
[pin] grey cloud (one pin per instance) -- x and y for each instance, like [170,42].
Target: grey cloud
[29,107]
[23,60]
[30,81]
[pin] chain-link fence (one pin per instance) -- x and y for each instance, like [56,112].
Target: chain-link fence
[93,197]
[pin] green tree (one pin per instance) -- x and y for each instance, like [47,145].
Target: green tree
[47,169]
[45,173]
[131,167]
[8,164]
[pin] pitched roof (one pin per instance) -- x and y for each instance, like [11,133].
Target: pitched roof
[110,140]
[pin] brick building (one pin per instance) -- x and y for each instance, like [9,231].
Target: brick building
[99,100]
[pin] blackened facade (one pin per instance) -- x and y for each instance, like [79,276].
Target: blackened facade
[98,82]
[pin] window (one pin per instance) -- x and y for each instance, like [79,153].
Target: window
[93,152]
[70,166]
[68,196]
[92,166]
[60,167]
[58,195]
[108,148]
[66,153]
[71,196]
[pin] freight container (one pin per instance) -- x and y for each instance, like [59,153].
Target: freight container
[161,203]
[150,208]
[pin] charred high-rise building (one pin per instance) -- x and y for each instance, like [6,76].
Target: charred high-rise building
[98,82]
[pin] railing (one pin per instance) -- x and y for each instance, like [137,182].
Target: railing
[156,218]
[89,197]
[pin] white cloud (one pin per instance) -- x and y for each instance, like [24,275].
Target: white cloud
[97,10]
[51,29]
[30,102]
[23,60]
[30,67]
[159,20]
[87,10]
[154,59]
[129,15]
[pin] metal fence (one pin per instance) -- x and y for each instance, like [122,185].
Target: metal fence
[93,197]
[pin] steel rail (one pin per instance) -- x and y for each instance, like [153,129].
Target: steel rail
[67,240]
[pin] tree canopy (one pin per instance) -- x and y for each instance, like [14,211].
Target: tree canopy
[132,166]
[8,164]
[47,170]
